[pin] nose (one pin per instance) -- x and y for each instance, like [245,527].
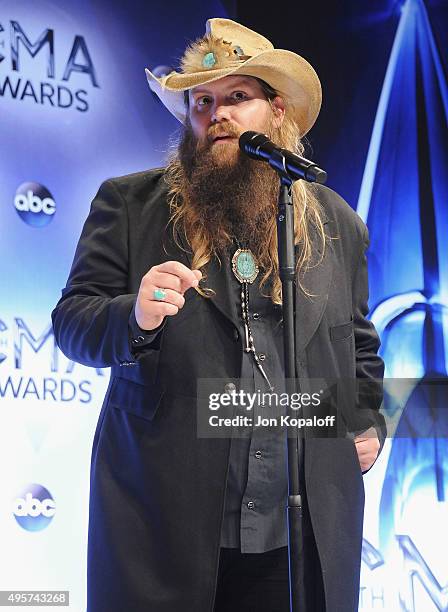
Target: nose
[221,112]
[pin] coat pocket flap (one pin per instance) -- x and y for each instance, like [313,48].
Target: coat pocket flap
[339,332]
[137,399]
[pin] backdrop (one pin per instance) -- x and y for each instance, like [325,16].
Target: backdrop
[75,109]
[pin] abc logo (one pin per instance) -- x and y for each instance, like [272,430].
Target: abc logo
[34,508]
[34,204]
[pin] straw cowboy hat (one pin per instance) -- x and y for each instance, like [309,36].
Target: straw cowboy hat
[229,48]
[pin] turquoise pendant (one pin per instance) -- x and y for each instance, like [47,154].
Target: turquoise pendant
[244,266]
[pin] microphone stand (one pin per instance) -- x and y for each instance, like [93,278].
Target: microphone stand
[289,167]
[296,486]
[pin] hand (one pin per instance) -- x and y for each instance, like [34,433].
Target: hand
[175,279]
[367,446]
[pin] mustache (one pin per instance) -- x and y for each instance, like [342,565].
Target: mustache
[225,128]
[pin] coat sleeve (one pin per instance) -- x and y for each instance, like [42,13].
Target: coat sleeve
[369,365]
[93,321]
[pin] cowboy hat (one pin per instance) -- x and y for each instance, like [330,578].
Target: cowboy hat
[229,48]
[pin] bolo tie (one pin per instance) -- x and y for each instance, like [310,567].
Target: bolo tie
[245,269]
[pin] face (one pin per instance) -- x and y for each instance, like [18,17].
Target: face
[221,111]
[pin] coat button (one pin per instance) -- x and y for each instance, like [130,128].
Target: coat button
[261,356]
[258,454]
[229,387]
[251,505]
[255,316]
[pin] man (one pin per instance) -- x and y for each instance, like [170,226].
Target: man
[175,279]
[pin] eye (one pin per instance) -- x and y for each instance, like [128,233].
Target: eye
[203,101]
[238,96]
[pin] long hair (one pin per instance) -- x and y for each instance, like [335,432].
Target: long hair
[307,217]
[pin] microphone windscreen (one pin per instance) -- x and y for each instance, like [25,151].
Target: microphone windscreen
[245,138]
[250,143]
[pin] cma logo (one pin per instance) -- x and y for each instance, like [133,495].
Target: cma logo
[34,371]
[79,59]
[45,90]
[26,342]
[34,204]
[34,508]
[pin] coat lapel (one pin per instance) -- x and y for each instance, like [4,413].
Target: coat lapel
[310,309]
[217,281]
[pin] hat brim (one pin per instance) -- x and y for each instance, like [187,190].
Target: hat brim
[288,73]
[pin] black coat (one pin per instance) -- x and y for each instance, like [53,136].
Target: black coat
[157,490]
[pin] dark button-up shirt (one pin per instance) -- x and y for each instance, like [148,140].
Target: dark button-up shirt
[257,486]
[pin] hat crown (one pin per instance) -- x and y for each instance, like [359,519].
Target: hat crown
[225,45]
[232,32]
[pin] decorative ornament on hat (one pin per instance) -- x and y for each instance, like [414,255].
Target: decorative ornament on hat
[209,60]
[210,52]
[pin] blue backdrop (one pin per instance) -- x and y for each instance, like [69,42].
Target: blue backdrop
[75,109]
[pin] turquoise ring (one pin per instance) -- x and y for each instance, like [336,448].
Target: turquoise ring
[159,295]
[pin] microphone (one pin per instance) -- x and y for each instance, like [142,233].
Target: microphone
[258,146]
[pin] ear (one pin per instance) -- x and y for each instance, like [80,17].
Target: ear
[278,106]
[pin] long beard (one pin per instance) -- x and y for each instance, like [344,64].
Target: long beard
[234,196]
